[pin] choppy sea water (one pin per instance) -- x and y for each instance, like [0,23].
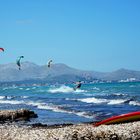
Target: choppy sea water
[57,104]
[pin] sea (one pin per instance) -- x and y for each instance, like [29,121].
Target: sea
[60,104]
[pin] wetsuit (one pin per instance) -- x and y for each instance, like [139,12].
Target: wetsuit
[78,85]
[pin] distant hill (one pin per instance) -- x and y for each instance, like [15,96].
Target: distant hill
[122,74]
[59,73]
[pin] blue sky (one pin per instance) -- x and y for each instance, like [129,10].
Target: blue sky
[101,35]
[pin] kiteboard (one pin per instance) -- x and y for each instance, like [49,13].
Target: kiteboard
[129,117]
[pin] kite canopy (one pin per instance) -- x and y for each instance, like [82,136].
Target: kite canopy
[49,63]
[2,49]
[18,61]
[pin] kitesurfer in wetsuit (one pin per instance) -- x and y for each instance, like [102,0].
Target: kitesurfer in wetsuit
[18,62]
[78,85]
[49,63]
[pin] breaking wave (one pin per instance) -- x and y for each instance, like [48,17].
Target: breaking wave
[13,97]
[61,110]
[118,94]
[13,102]
[117,101]
[107,101]
[135,103]
[93,100]
[45,106]
[65,89]
[2,97]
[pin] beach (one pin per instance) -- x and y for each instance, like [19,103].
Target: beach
[127,131]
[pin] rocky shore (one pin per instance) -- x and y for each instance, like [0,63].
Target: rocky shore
[127,131]
[15,131]
[16,115]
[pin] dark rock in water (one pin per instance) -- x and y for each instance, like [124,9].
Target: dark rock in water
[16,115]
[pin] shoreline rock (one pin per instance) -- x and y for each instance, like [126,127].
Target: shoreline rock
[16,115]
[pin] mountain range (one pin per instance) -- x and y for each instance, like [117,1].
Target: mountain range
[60,73]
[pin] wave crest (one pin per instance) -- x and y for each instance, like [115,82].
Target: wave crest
[65,89]
[93,100]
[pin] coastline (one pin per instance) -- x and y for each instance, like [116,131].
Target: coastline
[12,130]
[85,131]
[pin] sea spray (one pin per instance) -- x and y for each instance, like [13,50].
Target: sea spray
[65,89]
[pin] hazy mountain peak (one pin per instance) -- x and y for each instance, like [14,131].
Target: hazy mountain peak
[27,64]
[121,70]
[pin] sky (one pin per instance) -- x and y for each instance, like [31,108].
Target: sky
[99,35]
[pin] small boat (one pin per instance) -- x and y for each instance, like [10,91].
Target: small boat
[129,117]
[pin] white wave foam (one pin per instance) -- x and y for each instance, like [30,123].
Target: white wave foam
[10,97]
[11,102]
[51,107]
[21,102]
[65,89]
[84,114]
[62,89]
[45,106]
[58,109]
[55,108]
[7,97]
[135,103]
[24,97]
[2,97]
[27,89]
[118,101]
[80,91]
[100,101]
[118,94]
[93,100]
